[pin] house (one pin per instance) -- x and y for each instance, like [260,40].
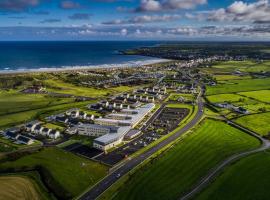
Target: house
[38,129]
[24,140]
[11,135]
[45,131]
[61,119]
[31,125]
[54,134]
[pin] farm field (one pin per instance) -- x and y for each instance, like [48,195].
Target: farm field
[253,101]
[233,86]
[225,77]
[175,171]
[243,66]
[260,95]
[67,173]
[13,101]
[247,179]
[25,188]
[68,88]
[258,123]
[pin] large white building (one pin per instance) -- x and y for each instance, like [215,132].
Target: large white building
[110,140]
[95,129]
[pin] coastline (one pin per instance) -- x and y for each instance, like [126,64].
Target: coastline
[132,64]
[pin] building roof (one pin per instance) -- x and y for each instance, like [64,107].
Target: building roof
[24,139]
[11,134]
[111,128]
[111,137]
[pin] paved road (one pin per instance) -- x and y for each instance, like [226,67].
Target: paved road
[100,187]
[215,172]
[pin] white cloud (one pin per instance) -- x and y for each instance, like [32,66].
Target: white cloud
[239,11]
[144,19]
[158,5]
[124,32]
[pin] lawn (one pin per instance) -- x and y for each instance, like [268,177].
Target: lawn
[261,95]
[59,86]
[24,188]
[258,123]
[219,98]
[13,101]
[71,174]
[239,86]
[247,179]
[174,172]
[176,96]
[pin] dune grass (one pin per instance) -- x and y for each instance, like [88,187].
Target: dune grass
[177,170]
[247,179]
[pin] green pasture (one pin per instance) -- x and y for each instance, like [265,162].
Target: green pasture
[247,179]
[178,169]
[233,86]
[260,95]
[258,123]
[68,172]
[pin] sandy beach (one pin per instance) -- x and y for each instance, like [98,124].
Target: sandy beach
[89,67]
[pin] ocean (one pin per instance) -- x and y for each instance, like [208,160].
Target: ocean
[27,56]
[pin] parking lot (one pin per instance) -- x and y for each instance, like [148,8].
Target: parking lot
[83,150]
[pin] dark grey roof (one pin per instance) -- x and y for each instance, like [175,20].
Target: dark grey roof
[23,139]
[11,134]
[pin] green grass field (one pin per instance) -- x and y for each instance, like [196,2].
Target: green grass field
[219,98]
[13,101]
[243,66]
[177,170]
[260,95]
[176,96]
[257,122]
[247,179]
[74,174]
[239,86]
[59,86]
[225,77]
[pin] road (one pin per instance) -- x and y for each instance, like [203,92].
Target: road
[110,179]
[215,172]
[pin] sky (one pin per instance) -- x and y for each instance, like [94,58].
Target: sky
[191,20]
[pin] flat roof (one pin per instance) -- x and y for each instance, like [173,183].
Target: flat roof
[111,137]
[100,126]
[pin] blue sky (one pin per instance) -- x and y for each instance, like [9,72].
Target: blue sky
[134,20]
